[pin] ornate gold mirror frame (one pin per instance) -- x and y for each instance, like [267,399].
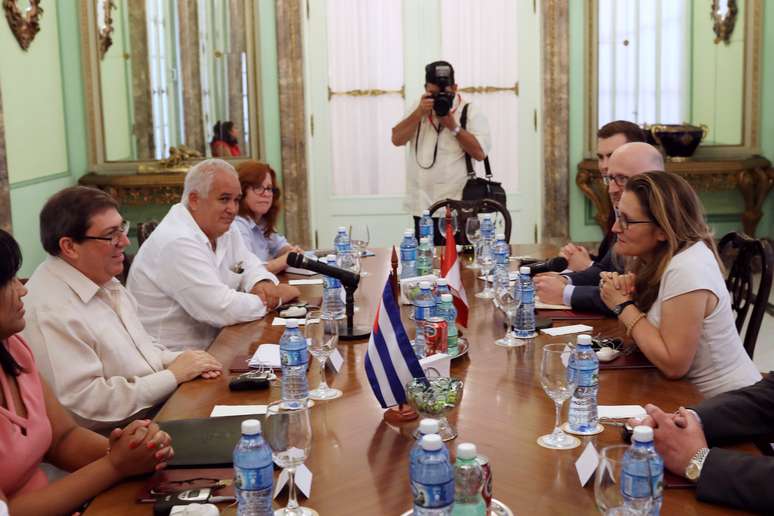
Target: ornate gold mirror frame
[105,39]
[723,24]
[24,27]
[750,144]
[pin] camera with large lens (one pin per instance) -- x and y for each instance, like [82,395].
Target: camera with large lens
[443,100]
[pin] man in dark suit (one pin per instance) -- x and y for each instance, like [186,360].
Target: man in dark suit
[580,289]
[738,479]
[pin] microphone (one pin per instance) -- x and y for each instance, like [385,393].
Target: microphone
[557,264]
[347,278]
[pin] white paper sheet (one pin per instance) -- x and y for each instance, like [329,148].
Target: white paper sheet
[621,411]
[302,272]
[539,305]
[567,330]
[313,281]
[587,463]
[279,321]
[267,355]
[237,410]
[440,361]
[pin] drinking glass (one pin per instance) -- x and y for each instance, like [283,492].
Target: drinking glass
[509,302]
[553,378]
[486,262]
[322,337]
[359,237]
[473,232]
[289,434]
[442,224]
[608,484]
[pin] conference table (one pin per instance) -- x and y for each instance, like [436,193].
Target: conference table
[360,462]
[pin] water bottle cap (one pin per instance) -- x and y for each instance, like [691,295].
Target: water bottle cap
[424,285]
[466,451]
[428,426]
[524,269]
[432,442]
[251,427]
[584,340]
[442,282]
[500,236]
[342,229]
[446,298]
[291,323]
[425,212]
[642,434]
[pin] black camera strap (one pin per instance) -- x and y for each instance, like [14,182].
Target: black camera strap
[468,161]
[435,151]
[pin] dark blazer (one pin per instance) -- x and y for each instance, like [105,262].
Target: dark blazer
[735,478]
[585,295]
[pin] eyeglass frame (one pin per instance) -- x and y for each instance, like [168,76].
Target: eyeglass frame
[262,190]
[115,238]
[625,223]
[618,179]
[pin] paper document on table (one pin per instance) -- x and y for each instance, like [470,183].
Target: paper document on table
[267,355]
[296,270]
[539,305]
[279,321]
[237,410]
[621,411]
[313,281]
[567,330]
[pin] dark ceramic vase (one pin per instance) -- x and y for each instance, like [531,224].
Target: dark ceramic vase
[679,141]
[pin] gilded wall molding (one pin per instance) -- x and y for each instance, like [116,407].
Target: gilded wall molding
[23,26]
[193,118]
[5,189]
[556,119]
[292,121]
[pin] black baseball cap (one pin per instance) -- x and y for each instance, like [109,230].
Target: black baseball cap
[431,72]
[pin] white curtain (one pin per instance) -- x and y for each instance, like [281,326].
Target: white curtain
[481,41]
[644,61]
[365,52]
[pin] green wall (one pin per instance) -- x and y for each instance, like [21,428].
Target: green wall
[724,208]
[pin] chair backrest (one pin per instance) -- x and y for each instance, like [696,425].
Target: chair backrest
[467,209]
[144,229]
[750,254]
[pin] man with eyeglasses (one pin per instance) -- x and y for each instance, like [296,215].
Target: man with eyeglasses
[580,290]
[82,324]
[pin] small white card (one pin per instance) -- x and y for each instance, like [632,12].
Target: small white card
[237,410]
[280,321]
[267,355]
[336,360]
[621,412]
[587,463]
[313,281]
[441,362]
[303,481]
[567,330]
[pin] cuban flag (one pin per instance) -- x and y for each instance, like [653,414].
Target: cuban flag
[390,362]
[450,269]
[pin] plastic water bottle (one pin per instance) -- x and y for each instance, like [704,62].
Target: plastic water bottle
[424,257]
[424,304]
[332,300]
[253,471]
[468,481]
[426,226]
[408,255]
[642,478]
[487,229]
[427,426]
[294,357]
[525,318]
[341,243]
[582,415]
[441,288]
[446,310]
[501,274]
[432,479]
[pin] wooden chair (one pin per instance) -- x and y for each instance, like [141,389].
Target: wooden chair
[144,229]
[467,209]
[750,254]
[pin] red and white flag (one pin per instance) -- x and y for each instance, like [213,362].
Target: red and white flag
[451,270]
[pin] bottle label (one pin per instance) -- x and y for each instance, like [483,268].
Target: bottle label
[433,495]
[294,357]
[527,296]
[249,479]
[408,255]
[586,377]
[422,312]
[634,486]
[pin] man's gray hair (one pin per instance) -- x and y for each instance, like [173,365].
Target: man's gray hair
[199,177]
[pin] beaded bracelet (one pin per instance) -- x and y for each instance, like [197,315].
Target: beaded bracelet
[630,327]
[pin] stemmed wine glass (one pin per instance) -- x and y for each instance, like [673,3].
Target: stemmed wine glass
[321,338]
[473,232]
[442,224]
[509,302]
[555,382]
[609,484]
[486,262]
[359,238]
[289,434]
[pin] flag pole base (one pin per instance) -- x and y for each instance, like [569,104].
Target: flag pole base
[400,414]
[354,333]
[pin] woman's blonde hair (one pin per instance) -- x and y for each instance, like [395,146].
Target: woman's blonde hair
[672,204]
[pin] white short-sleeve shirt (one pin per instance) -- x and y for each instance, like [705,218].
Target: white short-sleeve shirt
[721,364]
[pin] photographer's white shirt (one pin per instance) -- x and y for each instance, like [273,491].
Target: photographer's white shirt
[186,292]
[447,177]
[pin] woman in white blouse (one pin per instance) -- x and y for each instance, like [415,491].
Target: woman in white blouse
[674,301]
[258,213]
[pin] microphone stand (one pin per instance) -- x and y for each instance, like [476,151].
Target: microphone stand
[352,332]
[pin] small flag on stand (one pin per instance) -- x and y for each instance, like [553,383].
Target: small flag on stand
[450,269]
[390,362]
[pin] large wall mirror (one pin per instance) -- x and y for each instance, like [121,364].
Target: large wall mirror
[170,77]
[677,61]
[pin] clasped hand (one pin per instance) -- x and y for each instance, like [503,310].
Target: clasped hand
[616,288]
[139,447]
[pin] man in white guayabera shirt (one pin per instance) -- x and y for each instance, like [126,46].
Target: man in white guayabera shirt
[194,275]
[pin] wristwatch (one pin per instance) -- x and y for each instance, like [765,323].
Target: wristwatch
[693,470]
[617,309]
[456,131]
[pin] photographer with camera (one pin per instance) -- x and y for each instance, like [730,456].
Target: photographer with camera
[438,143]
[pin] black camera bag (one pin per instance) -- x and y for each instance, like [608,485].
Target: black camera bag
[477,188]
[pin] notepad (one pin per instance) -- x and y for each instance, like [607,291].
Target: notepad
[237,410]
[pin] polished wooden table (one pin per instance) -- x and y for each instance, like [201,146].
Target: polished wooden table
[360,463]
